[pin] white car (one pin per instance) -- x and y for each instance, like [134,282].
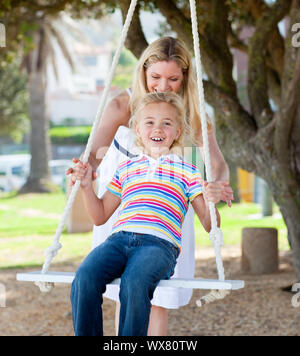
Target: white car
[14,170]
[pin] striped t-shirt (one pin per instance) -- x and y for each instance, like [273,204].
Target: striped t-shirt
[155,195]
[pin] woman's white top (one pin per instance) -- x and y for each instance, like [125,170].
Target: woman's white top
[171,298]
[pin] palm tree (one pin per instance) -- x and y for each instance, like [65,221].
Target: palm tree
[35,63]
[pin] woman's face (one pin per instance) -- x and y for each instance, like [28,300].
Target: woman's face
[164,76]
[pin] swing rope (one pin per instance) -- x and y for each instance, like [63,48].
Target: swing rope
[215,234]
[52,251]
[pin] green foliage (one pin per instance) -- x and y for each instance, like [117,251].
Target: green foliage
[14,120]
[69,135]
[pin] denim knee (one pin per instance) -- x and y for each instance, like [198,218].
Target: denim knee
[135,290]
[85,281]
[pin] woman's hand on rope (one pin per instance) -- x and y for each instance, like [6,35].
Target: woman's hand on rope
[75,171]
[226,191]
[212,192]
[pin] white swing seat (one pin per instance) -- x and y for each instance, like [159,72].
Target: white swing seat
[67,277]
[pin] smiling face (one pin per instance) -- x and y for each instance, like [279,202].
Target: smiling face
[164,76]
[158,127]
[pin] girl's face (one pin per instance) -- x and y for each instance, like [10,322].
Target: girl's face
[158,127]
[164,76]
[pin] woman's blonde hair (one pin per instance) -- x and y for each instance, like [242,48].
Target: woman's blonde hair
[170,49]
[176,101]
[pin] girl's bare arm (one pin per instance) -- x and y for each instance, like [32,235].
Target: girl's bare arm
[100,209]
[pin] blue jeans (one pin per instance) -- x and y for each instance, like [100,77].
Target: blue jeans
[141,261]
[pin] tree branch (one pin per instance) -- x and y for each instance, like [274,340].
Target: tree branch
[234,115]
[257,69]
[276,51]
[232,118]
[136,41]
[216,34]
[234,41]
[215,57]
[274,87]
[290,92]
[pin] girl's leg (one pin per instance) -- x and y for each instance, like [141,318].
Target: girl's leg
[158,324]
[147,264]
[105,263]
[117,317]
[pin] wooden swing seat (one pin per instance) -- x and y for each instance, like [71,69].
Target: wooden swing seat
[67,277]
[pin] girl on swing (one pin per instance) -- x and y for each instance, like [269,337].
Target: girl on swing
[164,66]
[153,190]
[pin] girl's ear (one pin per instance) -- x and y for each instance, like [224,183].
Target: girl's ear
[178,133]
[136,127]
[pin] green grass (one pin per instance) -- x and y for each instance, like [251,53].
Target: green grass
[29,222]
[234,219]
[28,225]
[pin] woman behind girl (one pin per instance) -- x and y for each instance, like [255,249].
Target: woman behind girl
[146,238]
[164,66]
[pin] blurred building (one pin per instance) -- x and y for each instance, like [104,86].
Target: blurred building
[74,96]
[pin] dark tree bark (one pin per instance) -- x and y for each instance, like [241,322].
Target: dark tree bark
[264,142]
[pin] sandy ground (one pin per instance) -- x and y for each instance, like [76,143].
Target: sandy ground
[261,308]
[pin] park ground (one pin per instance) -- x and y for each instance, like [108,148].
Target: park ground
[29,222]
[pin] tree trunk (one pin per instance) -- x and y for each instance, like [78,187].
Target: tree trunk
[285,193]
[267,200]
[234,181]
[39,177]
[291,217]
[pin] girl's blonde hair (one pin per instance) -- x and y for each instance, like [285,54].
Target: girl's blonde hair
[176,101]
[170,49]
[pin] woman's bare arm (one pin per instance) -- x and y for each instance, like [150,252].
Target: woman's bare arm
[115,115]
[219,167]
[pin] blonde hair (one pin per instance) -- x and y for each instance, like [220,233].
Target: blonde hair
[176,101]
[170,49]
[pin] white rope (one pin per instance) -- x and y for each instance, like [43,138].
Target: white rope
[52,251]
[215,234]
